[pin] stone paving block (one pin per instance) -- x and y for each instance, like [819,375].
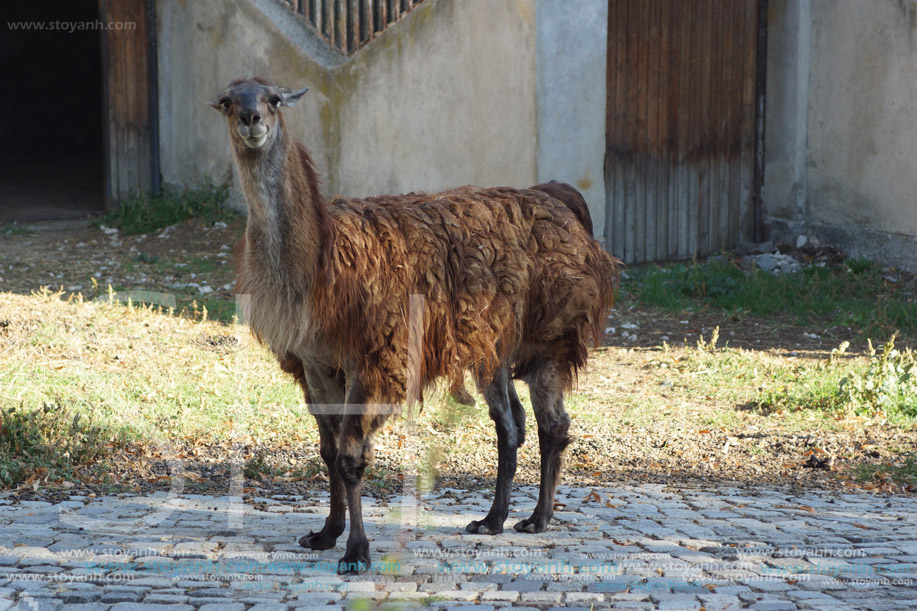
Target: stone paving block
[732,589]
[500,595]
[200,601]
[541,597]
[111,598]
[166,599]
[526,585]
[39,604]
[228,606]
[147,607]
[714,602]
[773,605]
[456,595]
[80,596]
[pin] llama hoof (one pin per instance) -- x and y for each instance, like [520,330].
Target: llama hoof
[483,527]
[463,397]
[353,564]
[531,525]
[317,541]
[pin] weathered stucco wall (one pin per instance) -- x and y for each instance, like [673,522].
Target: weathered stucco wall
[572,51]
[842,125]
[863,114]
[202,46]
[446,97]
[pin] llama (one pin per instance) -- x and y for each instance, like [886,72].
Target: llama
[514,287]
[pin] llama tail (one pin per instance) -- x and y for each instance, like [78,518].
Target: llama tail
[572,198]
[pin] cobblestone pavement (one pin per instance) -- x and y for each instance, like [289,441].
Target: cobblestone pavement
[633,547]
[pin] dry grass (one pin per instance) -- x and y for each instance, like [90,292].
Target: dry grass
[148,384]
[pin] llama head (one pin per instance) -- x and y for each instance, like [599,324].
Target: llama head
[252,107]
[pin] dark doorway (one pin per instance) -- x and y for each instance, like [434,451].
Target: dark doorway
[51,102]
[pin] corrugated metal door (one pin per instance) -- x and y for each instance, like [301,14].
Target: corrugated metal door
[681,127]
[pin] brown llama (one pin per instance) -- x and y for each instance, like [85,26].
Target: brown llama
[514,286]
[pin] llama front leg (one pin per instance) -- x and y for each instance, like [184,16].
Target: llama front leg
[354,454]
[324,390]
[499,395]
[553,425]
[328,429]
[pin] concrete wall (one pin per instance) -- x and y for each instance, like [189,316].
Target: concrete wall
[446,97]
[202,46]
[571,61]
[487,92]
[842,125]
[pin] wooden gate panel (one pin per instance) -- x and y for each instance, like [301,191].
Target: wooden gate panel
[680,126]
[128,59]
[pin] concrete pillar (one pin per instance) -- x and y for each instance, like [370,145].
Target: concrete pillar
[570,62]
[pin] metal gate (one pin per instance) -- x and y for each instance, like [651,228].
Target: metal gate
[682,131]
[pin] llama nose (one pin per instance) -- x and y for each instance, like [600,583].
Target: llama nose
[249,117]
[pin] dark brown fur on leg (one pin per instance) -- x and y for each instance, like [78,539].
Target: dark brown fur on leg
[518,411]
[354,455]
[323,387]
[547,386]
[329,428]
[502,412]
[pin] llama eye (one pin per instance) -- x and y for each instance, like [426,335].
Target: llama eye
[276,102]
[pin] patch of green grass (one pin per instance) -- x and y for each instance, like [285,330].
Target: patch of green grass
[15,229]
[851,295]
[145,213]
[219,310]
[262,467]
[888,383]
[48,443]
[147,374]
[903,472]
[884,384]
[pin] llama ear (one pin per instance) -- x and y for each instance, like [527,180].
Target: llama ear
[215,102]
[290,97]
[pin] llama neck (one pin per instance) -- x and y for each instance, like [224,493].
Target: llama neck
[288,222]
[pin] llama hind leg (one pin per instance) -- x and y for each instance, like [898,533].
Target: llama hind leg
[547,386]
[518,411]
[499,396]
